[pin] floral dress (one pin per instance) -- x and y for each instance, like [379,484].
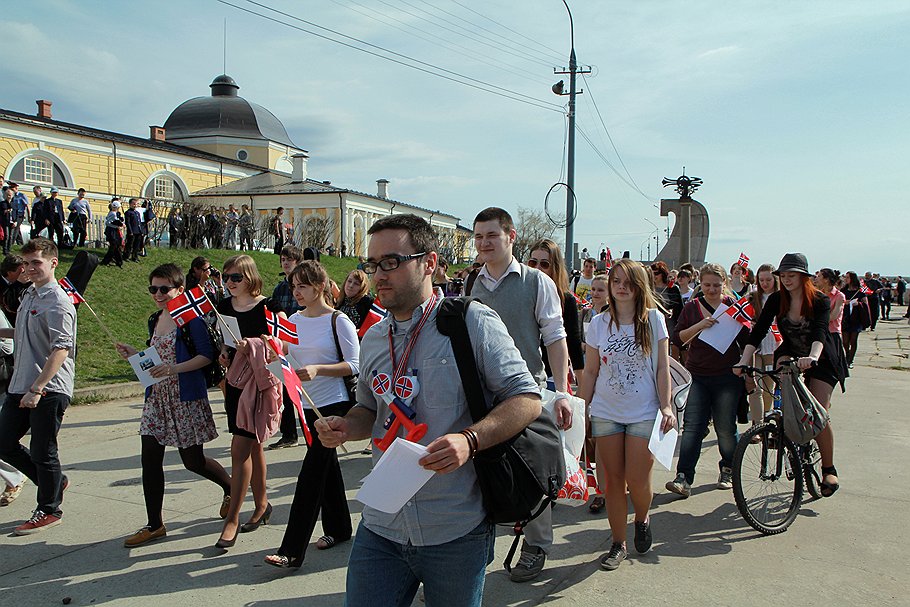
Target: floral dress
[172,422]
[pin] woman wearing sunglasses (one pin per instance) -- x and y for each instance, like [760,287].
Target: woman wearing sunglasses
[176,411]
[546,257]
[248,468]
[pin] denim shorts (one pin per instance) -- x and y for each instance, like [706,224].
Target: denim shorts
[606,427]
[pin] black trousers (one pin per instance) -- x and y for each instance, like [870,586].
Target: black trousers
[320,487]
[8,237]
[288,417]
[113,254]
[40,462]
[79,230]
[874,310]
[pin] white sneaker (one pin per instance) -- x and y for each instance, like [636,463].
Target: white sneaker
[725,480]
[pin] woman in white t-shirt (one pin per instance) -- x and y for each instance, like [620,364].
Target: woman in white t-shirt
[628,383]
[328,351]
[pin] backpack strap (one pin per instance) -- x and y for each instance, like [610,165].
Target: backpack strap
[153,321]
[450,321]
[335,335]
[469,284]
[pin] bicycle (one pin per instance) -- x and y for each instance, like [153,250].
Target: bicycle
[769,469]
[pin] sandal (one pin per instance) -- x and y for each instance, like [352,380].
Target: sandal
[828,489]
[597,504]
[282,562]
[326,542]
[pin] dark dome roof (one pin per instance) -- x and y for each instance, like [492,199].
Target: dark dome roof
[224,113]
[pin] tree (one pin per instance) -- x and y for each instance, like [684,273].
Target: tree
[531,225]
[314,230]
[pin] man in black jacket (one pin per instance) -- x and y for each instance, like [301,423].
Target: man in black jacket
[874,301]
[134,235]
[52,217]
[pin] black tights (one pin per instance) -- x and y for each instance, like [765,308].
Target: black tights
[153,474]
[850,340]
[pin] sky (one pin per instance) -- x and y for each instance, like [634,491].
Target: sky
[795,115]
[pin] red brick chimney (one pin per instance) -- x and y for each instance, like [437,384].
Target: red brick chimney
[156,133]
[44,108]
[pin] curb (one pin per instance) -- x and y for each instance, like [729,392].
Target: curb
[107,392]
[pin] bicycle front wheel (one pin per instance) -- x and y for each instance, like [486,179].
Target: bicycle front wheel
[767,479]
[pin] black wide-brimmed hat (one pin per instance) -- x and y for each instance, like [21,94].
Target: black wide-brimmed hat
[794,262]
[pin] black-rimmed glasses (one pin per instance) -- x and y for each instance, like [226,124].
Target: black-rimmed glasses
[234,277]
[164,289]
[387,264]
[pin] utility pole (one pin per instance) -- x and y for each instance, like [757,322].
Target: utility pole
[558,88]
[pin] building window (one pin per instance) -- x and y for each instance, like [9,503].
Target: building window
[242,155]
[37,170]
[164,188]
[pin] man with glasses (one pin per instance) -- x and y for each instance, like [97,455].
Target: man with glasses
[531,308]
[41,386]
[441,537]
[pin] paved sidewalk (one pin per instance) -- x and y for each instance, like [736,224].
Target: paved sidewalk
[847,550]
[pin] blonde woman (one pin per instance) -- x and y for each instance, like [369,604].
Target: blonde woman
[248,467]
[355,300]
[761,399]
[716,391]
[628,382]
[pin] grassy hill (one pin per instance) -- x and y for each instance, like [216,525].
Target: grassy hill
[120,299]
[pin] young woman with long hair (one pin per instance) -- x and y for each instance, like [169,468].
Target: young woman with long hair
[248,467]
[715,392]
[855,318]
[320,486]
[628,382]
[355,300]
[802,313]
[739,280]
[669,296]
[826,281]
[546,257]
[762,397]
[176,412]
[599,303]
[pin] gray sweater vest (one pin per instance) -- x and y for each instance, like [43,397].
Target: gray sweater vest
[515,300]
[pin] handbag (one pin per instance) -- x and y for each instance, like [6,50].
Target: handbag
[350,381]
[521,476]
[804,417]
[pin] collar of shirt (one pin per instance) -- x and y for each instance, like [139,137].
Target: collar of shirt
[490,282]
[43,290]
[401,327]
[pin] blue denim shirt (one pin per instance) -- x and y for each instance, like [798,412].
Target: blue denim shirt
[449,506]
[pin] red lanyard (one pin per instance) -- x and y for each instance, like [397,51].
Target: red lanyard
[400,367]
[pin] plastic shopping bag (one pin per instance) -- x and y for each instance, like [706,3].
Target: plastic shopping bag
[575,491]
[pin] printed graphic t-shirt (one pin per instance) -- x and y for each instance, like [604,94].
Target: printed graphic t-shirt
[626,387]
[583,287]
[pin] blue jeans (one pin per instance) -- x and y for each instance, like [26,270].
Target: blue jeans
[382,573]
[710,396]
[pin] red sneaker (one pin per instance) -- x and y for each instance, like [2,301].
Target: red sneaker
[39,522]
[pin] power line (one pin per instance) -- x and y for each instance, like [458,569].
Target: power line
[545,56]
[439,41]
[466,80]
[610,165]
[506,27]
[482,39]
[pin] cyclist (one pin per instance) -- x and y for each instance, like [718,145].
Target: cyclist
[802,312]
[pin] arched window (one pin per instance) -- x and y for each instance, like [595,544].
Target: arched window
[39,168]
[164,186]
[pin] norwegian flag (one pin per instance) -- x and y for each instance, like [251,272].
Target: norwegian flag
[583,304]
[778,338]
[294,388]
[741,311]
[70,290]
[376,313]
[191,304]
[282,328]
[743,261]
[863,288]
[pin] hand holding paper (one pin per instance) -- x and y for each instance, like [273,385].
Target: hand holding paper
[396,478]
[663,444]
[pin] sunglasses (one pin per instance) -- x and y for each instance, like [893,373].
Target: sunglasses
[234,277]
[164,290]
[543,263]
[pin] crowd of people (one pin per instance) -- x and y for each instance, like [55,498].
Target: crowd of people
[609,333]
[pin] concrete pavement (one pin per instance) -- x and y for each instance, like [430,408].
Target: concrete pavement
[840,551]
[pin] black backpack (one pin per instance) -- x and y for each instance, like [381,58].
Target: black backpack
[214,372]
[522,476]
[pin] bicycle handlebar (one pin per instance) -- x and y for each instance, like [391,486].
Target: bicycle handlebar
[782,365]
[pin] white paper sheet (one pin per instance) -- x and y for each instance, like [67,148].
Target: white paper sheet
[142,362]
[275,367]
[396,478]
[223,323]
[663,445]
[721,335]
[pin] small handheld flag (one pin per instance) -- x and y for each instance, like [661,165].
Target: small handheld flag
[741,311]
[282,328]
[864,289]
[191,304]
[776,333]
[70,290]
[743,261]
[376,313]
